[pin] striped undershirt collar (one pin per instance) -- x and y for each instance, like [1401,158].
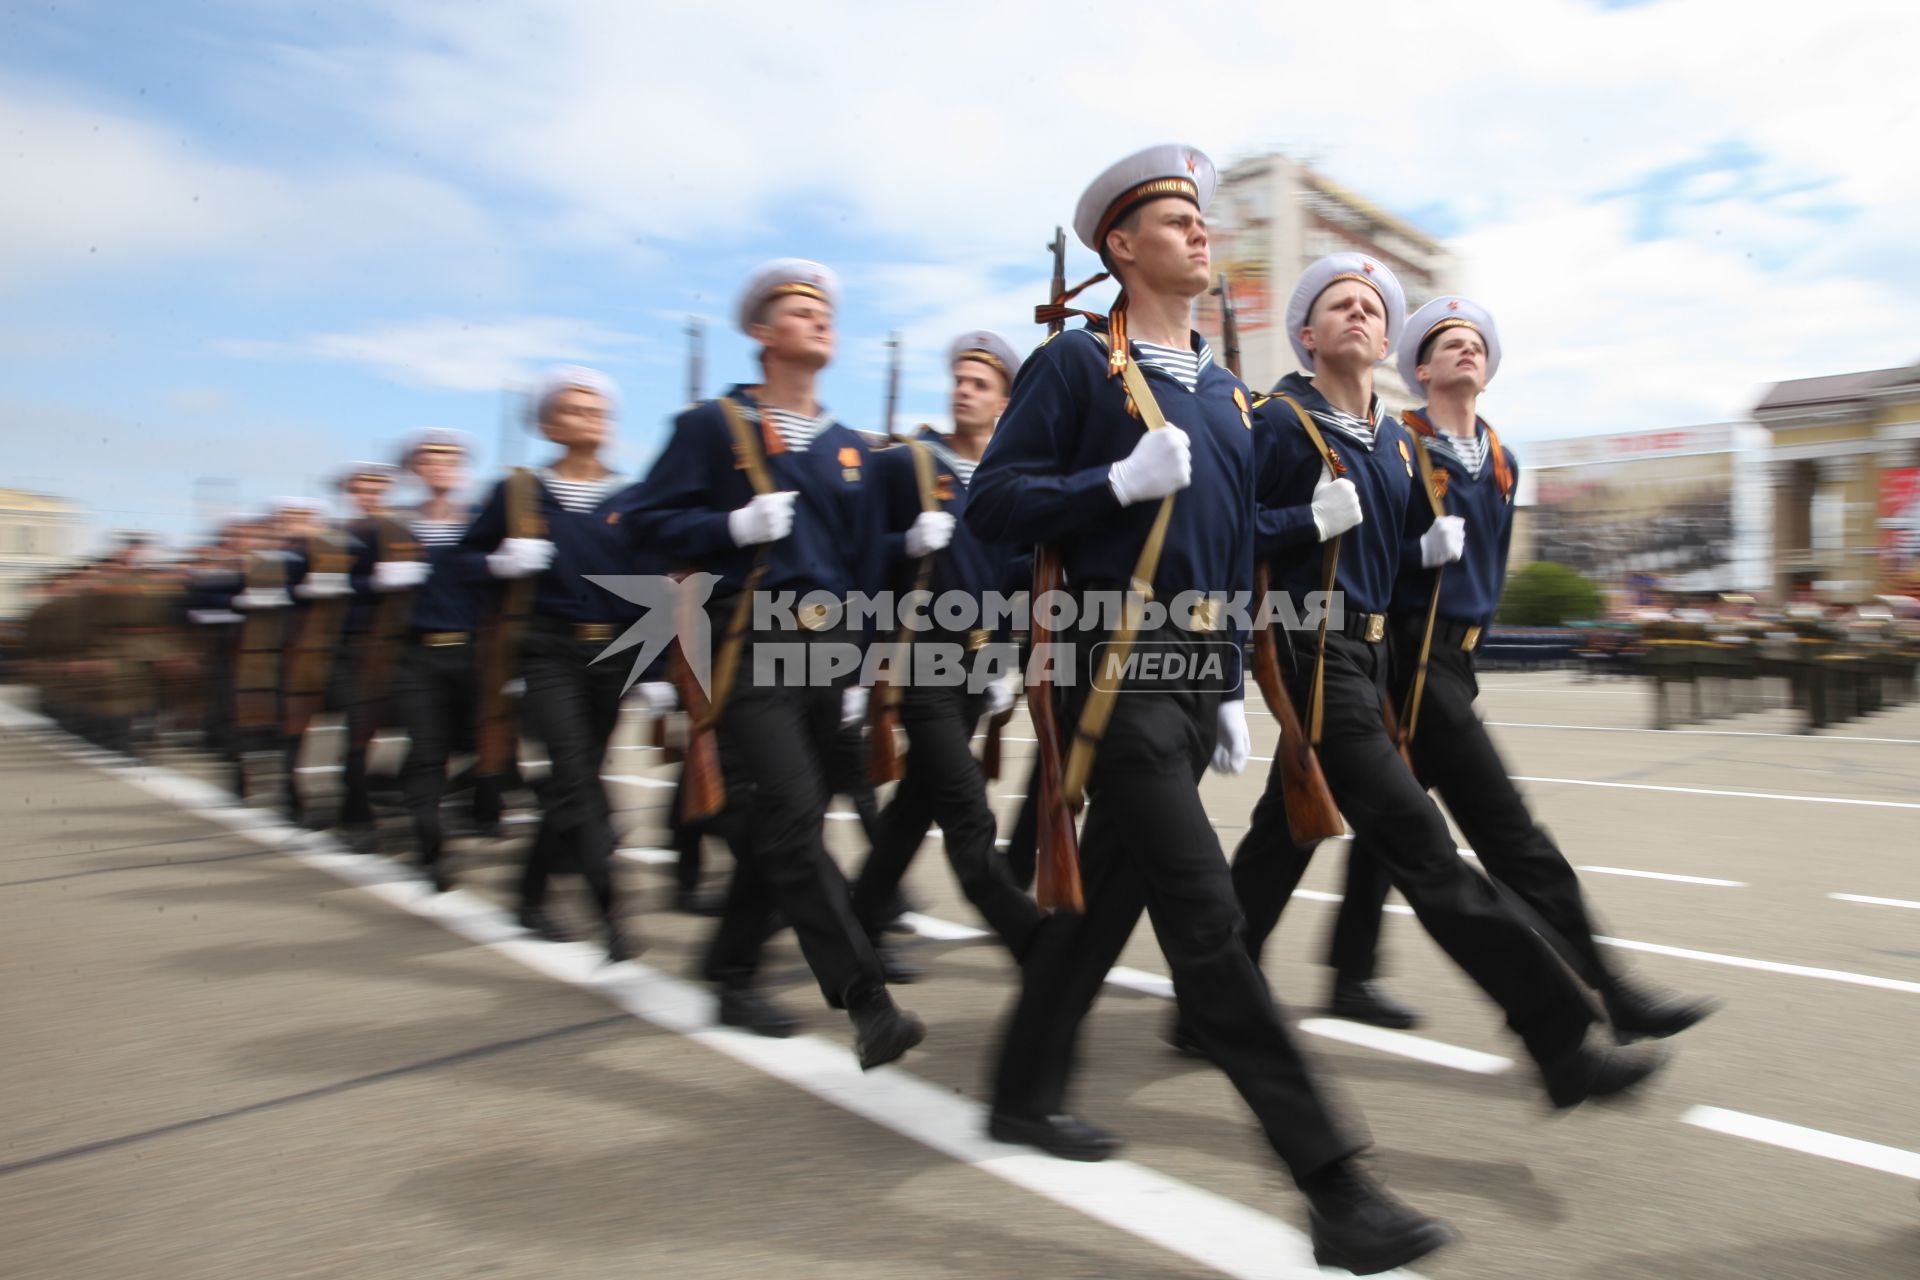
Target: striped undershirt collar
[1469,451]
[798,430]
[1184,367]
[578,496]
[962,468]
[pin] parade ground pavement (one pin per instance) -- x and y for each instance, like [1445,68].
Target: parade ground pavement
[234,1050]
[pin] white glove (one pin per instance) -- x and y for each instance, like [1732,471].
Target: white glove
[400,575]
[520,558]
[1000,695]
[1336,505]
[1162,463]
[1444,543]
[324,586]
[853,705]
[660,697]
[768,518]
[262,598]
[1232,744]
[931,532]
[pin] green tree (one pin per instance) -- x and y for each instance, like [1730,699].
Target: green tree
[1548,595]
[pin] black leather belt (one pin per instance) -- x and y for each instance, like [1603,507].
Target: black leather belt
[1368,627]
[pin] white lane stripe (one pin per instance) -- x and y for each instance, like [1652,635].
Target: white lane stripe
[1739,795]
[648,856]
[1766,966]
[1874,902]
[635,780]
[1868,1155]
[1705,733]
[940,930]
[1223,1234]
[1434,1051]
[1663,875]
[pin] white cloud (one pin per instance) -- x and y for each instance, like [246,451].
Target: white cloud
[93,192]
[448,353]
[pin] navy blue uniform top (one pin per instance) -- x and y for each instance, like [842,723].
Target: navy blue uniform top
[450,598]
[969,563]
[1470,588]
[1290,466]
[585,542]
[678,513]
[1044,476]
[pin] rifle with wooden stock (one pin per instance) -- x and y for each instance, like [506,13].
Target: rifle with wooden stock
[311,650]
[1057,866]
[501,643]
[883,702]
[1312,815]
[394,541]
[703,791]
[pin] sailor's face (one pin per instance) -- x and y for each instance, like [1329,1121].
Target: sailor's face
[1347,325]
[369,494]
[441,470]
[797,328]
[574,417]
[979,394]
[1170,248]
[1456,361]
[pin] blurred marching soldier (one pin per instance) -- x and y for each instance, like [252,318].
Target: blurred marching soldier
[213,625]
[371,561]
[1437,616]
[556,526]
[436,688]
[1339,499]
[764,489]
[1172,506]
[264,603]
[925,486]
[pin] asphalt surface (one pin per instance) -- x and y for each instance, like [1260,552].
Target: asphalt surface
[233,1050]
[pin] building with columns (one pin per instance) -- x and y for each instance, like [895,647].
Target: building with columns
[1844,466]
[39,535]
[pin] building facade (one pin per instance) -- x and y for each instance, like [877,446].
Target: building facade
[1845,471]
[1679,512]
[1270,218]
[39,534]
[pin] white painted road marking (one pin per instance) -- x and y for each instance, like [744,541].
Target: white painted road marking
[1738,795]
[1407,1046]
[1767,966]
[1874,902]
[1868,1155]
[1209,1229]
[1662,875]
[1705,733]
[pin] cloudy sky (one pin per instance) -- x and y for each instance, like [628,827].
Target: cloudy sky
[241,243]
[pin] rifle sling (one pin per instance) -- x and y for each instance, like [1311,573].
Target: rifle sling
[1098,709]
[749,448]
[1425,461]
[924,481]
[1329,575]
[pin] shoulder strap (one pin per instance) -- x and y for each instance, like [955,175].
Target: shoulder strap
[523,505]
[748,448]
[1424,461]
[1329,572]
[923,476]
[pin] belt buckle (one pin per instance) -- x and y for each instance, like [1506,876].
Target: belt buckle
[1376,627]
[593,632]
[1205,615]
[443,639]
[1471,639]
[812,617]
[977,639]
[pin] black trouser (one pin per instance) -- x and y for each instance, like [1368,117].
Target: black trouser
[1147,843]
[571,706]
[341,697]
[848,776]
[1392,815]
[436,690]
[943,784]
[1453,754]
[776,744]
